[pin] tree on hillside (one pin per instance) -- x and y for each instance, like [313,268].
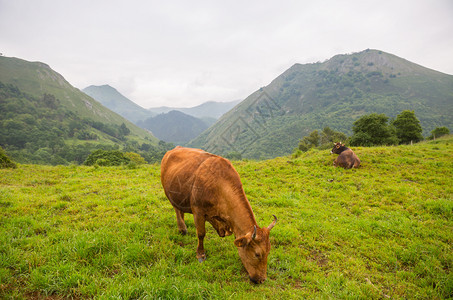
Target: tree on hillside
[313,138]
[50,101]
[321,140]
[408,128]
[310,141]
[123,130]
[438,132]
[329,136]
[373,130]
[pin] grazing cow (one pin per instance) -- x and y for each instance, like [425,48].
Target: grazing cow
[207,186]
[347,158]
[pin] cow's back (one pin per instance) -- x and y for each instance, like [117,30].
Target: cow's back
[348,159]
[178,172]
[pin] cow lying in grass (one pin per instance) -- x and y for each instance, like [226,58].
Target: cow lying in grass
[207,186]
[346,158]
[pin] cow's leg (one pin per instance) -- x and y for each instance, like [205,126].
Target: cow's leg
[180,219]
[200,221]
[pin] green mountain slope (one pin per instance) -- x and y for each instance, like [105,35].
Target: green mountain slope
[46,120]
[334,93]
[37,78]
[114,100]
[174,126]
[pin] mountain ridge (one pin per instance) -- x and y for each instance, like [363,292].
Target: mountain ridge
[209,109]
[114,100]
[334,93]
[174,126]
[179,128]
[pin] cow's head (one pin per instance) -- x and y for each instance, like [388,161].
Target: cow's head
[338,148]
[253,250]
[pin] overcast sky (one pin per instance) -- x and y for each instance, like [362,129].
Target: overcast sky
[183,53]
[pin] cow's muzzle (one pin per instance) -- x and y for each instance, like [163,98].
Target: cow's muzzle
[257,280]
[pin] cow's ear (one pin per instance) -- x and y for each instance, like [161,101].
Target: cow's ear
[243,241]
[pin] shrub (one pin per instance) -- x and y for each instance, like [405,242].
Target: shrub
[321,140]
[5,161]
[135,158]
[106,158]
[297,153]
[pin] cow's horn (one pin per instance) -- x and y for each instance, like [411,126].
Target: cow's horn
[273,223]
[254,232]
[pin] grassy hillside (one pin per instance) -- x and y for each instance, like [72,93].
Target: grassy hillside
[47,121]
[334,93]
[384,230]
[37,78]
[42,131]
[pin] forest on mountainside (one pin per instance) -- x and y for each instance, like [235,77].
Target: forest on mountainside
[40,130]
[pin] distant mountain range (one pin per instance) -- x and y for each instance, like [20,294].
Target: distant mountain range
[210,109]
[44,119]
[272,120]
[163,121]
[114,100]
[183,124]
[174,126]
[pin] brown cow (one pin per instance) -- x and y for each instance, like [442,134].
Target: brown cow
[347,158]
[207,186]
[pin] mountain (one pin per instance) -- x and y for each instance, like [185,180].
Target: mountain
[46,120]
[168,125]
[174,126]
[334,93]
[210,109]
[37,78]
[112,99]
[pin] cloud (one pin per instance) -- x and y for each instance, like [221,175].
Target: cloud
[183,53]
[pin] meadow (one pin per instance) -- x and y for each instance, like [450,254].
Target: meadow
[382,231]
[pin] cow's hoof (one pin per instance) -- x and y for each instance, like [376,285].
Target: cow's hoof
[183,232]
[201,258]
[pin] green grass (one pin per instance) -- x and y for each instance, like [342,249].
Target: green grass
[384,230]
